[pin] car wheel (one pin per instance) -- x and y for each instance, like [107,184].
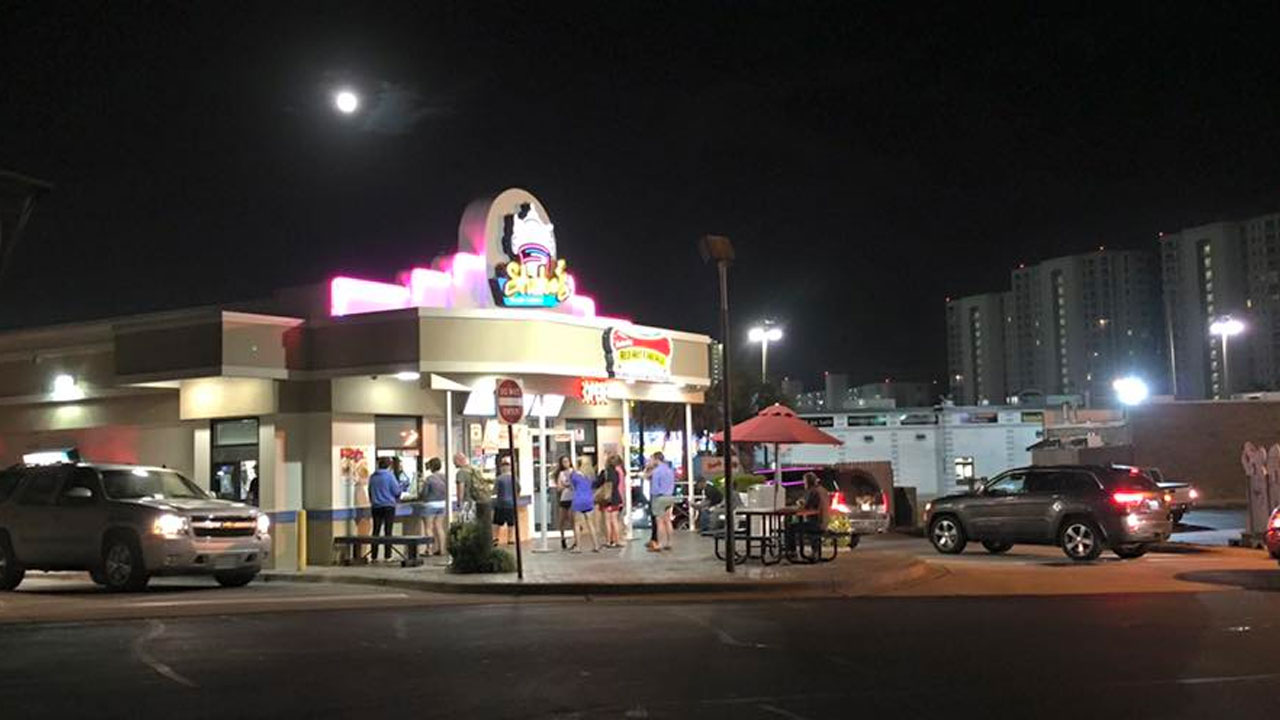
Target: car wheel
[947,535]
[853,540]
[11,571]
[995,548]
[1080,540]
[122,566]
[1176,516]
[235,579]
[1128,552]
[98,577]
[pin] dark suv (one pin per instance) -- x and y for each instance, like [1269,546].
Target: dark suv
[1080,508]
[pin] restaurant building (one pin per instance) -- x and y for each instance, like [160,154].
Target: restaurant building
[295,398]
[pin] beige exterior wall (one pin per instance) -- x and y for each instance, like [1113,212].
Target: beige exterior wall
[226,397]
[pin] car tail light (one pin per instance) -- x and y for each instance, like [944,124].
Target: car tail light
[837,502]
[1168,497]
[1275,521]
[1128,500]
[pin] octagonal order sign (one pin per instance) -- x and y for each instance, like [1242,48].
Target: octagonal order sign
[509,398]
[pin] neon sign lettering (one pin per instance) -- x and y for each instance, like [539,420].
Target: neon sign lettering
[593,392]
[534,277]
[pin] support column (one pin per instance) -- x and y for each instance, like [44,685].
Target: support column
[542,486]
[688,461]
[626,468]
[451,493]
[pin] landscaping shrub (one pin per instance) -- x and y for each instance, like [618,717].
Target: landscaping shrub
[472,551]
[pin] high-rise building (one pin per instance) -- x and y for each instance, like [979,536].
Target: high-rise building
[716,350]
[1073,324]
[1204,277]
[1262,304]
[976,349]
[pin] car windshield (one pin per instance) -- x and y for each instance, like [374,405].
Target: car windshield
[139,484]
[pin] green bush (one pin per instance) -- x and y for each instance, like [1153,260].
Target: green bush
[742,482]
[472,551]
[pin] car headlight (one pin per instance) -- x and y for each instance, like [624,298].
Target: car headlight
[170,525]
[264,524]
[928,506]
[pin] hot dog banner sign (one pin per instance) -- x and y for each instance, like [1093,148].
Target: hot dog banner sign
[638,354]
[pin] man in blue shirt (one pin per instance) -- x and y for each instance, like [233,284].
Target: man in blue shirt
[384,493]
[662,488]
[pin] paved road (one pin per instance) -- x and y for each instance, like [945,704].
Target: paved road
[1210,527]
[1131,656]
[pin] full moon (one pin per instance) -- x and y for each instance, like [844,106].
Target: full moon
[346,101]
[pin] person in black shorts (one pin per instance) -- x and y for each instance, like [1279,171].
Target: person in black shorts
[504,505]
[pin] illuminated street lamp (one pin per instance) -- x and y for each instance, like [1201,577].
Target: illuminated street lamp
[1225,327]
[764,336]
[1131,390]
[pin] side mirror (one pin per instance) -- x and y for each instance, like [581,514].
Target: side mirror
[78,493]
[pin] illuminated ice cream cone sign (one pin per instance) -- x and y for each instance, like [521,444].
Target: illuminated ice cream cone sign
[534,276]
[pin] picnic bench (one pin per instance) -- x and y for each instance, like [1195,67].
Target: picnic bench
[772,541]
[350,548]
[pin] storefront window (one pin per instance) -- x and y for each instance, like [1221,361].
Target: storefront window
[234,454]
[401,437]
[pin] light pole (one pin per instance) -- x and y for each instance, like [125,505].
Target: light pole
[718,249]
[1225,327]
[764,335]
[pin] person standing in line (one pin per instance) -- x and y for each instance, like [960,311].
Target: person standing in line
[435,493]
[384,494]
[402,477]
[504,504]
[611,479]
[582,504]
[662,488]
[564,471]
[477,490]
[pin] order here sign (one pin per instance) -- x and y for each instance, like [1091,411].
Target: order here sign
[509,399]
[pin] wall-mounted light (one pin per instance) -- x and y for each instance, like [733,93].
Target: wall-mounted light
[408,376]
[65,389]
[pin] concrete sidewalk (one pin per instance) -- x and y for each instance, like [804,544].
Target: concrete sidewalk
[690,568]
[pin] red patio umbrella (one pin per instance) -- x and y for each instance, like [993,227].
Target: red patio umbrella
[778,425]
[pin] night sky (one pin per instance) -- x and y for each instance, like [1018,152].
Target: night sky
[866,159]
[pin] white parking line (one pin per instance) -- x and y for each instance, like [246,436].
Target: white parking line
[273,601]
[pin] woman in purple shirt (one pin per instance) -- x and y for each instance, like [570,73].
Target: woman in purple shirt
[583,504]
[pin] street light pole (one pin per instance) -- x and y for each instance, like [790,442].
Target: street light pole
[1225,327]
[764,335]
[717,248]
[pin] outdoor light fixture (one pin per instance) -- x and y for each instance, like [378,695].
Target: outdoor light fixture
[408,376]
[1131,390]
[346,101]
[1225,327]
[764,335]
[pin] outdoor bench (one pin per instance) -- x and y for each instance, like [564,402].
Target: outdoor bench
[351,547]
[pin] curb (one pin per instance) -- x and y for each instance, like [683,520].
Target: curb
[874,582]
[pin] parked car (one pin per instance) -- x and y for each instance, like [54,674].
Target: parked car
[1080,508]
[1273,534]
[123,524]
[1182,496]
